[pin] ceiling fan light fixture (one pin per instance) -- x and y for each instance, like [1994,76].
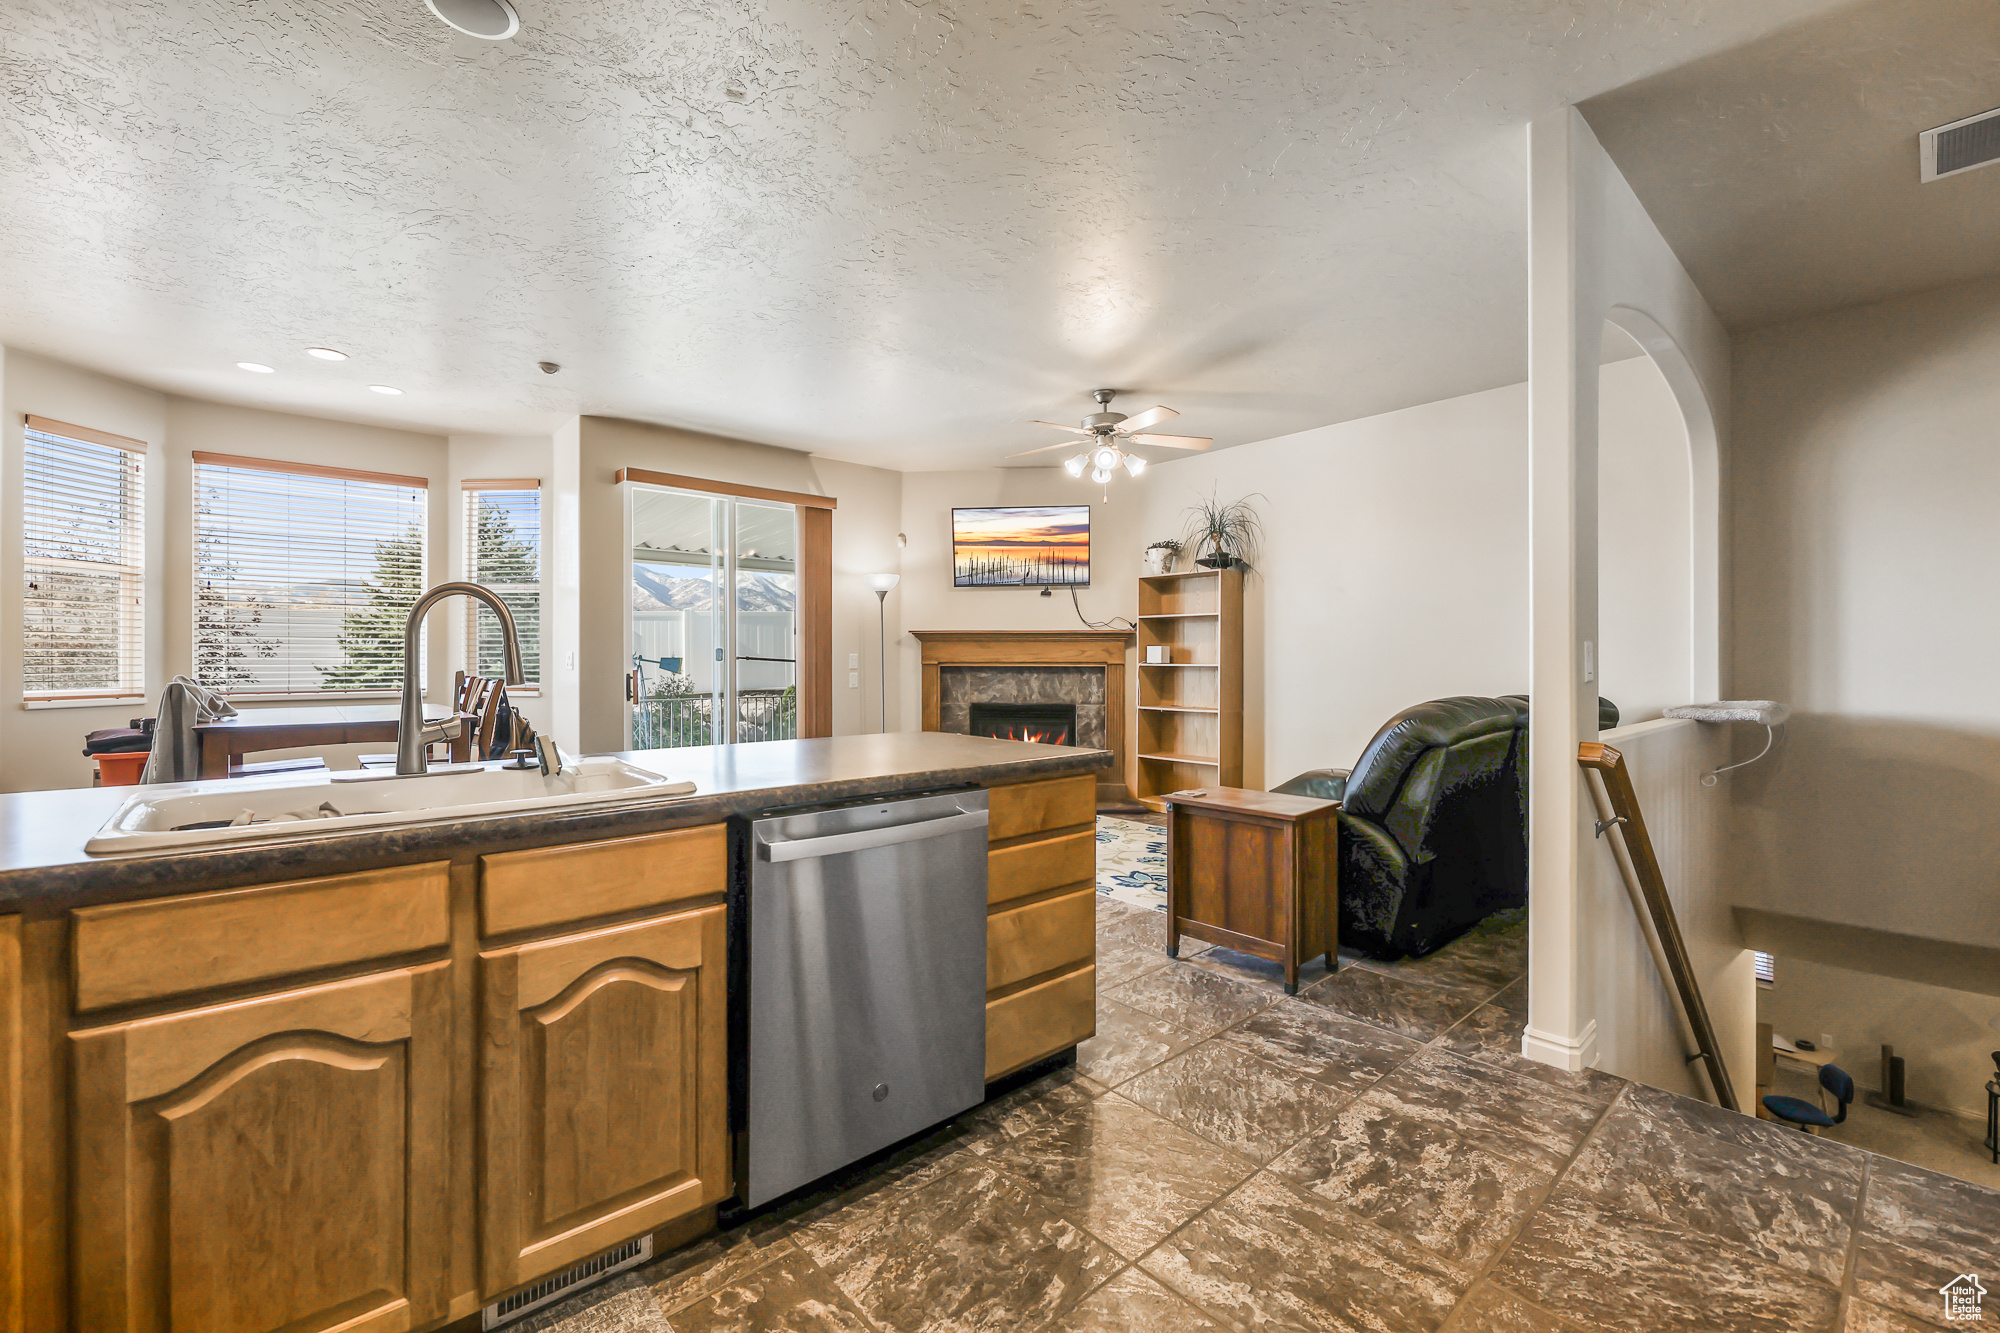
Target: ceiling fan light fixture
[1100,476]
[1075,465]
[1134,464]
[1104,458]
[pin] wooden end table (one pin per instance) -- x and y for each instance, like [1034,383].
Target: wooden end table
[1254,872]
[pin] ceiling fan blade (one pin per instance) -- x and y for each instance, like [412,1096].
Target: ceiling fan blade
[1066,444]
[1074,430]
[1152,416]
[1172,441]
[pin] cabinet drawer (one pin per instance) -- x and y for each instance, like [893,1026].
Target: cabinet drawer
[1025,942]
[1036,807]
[551,885]
[1023,1027]
[1035,867]
[146,951]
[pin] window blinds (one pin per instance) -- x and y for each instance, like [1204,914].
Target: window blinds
[503,550]
[84,563]
[304,575]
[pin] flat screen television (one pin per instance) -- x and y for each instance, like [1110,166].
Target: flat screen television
[1022,546]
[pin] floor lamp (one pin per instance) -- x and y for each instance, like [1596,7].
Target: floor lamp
[881,583]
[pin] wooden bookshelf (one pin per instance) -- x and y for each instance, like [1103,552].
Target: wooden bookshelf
[1189,708]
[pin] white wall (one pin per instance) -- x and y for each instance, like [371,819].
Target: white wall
[1867,578]
[1942,1035]
[1645,568]
[865,532]
[488,457]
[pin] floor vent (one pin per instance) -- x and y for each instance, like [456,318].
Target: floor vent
[1960,146]
[554,1288]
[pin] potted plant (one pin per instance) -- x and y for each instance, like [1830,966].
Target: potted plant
[1160,556]
[1231,532]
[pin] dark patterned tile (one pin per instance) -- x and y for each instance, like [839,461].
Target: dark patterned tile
[1030,1104]
[1867,1317]
[1260,972]
[1919,1230]
[1488,1106]
[1342,1053]
[1272,1257]
[1733,1178]
[1120,960]
[1418,1179]
[1230,1097]
[1122,1173]
[1401,1006]
[788,1295]
[1134,1303]
[623,1304]
[1201,1001]
[688,1274]
[1471,966]
[974,1249]
[1491,1308]
[1492,1033]
[1608,1271]
[1132,925]
[1128,1043]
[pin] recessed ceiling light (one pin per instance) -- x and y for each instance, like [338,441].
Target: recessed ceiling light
[326,354]
[494,20]
[383,388]
[255,368]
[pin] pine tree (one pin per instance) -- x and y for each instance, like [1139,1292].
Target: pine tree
[371,637]
[502,558]
[226,635]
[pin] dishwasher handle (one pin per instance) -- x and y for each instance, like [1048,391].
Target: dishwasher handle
[834,844]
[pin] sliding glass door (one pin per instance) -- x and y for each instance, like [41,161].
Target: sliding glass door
[714,595]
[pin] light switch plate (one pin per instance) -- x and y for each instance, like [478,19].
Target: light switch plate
[853,660]
[854,680]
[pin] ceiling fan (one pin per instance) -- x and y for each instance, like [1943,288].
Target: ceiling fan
[1107,433]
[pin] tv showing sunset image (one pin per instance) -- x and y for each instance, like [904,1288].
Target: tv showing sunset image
[1027,546]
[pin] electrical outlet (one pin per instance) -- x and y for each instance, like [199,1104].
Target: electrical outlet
[854,680]
[1827,1043]
[853,661]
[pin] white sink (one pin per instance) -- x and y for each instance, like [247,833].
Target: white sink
[233,810]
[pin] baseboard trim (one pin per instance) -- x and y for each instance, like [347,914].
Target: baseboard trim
[1562,1052]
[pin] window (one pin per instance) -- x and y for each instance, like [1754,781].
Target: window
[503,550]
[304,575]
[1767,969]
[84,563]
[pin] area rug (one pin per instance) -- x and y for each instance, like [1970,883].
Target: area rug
[1132,862]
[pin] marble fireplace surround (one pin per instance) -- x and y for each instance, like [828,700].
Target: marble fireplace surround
[1081,667]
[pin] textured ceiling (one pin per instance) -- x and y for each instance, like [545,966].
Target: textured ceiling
[888,232]
[1784,172]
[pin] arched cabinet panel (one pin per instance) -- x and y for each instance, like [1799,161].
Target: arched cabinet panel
[268,1164]
[603,1090]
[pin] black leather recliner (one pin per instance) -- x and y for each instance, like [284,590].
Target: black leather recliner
[1433,823]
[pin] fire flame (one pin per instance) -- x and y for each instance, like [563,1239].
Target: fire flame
[1038,733]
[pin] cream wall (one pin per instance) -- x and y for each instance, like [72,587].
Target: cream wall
[594,610]
[490,457]
[1942,1035]
[865,532]
[42,747]
[1867,577]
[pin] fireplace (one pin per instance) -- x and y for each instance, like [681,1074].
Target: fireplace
[1044,723]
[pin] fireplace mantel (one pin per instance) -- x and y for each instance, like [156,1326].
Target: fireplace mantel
[1038,648]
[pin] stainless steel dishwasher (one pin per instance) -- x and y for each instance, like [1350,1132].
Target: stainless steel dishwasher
[867,982]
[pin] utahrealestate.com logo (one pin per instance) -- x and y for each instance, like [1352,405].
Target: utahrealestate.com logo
[1962,1296]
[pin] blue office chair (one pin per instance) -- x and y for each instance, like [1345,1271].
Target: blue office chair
[1802,1113]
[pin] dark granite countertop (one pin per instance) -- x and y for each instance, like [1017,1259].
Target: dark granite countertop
[44,869]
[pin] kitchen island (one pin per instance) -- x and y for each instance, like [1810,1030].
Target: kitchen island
[378,1079]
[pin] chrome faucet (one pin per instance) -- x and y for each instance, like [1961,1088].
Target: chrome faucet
[413,734]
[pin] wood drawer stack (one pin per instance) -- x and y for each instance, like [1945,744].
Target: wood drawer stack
[1041,924]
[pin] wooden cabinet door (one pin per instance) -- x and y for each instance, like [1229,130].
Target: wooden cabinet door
[277,1163]
[604,1090]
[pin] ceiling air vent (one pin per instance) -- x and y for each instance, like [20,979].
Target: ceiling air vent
[1961,145]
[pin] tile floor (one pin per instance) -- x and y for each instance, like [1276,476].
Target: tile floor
[1368,1155]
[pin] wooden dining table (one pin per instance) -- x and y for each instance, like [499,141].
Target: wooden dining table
[223,742]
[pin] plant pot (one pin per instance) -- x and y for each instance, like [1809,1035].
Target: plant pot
[1159,560]
[1216,561]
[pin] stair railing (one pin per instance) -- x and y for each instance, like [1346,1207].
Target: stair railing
[1618,807]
